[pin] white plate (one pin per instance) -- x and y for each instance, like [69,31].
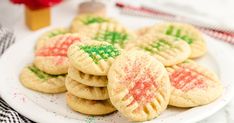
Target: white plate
[52,108]
[47,108]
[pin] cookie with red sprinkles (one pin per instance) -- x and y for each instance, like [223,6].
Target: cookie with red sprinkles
[44,38]
[193,85]
[138,86]
[52,58]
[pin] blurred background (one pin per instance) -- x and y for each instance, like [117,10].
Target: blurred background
[216,15]
[220,12]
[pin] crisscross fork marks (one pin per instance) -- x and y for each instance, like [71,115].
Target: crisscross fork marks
[176,32]
[156,46]
[112,37]
[90,77]
[186,79]
[40,74]
[162,49]
[144,82]
[99,52]
[59,47]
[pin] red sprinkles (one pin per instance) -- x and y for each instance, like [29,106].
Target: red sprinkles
[59,48]
[144,85]
[186,79]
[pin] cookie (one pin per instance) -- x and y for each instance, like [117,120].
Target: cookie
[112,33]
[193,85]
[50,34]
[87,79]
[33,78]
[90,107]
[92,57]
[138,86]
[166,49]
[85,20]
[84,91]
[52,58]
[185,32]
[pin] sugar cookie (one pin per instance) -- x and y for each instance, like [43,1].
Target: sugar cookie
[193,85]
[90,107]
[50,34]
[138,86]
[32,78]
[112,33]
[82,21]
[92,57]
[185,32]
[87,79]
[166,49]
[86,92]
[52,58]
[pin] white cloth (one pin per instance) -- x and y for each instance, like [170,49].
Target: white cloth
[218,13]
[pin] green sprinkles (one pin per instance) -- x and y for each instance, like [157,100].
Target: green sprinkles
[157,46]
[186,61]
[169,30]
[55,33]
[90,20]
[90,119]
[112,37]
[40,74]
[100,52]
[177,33]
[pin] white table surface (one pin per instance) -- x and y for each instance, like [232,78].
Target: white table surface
[12,17]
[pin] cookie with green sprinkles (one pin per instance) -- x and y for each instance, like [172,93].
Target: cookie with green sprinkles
[44,38]
[112,33]
[92,57]
[185,32]
[35,79]
[85,20]
[166,49]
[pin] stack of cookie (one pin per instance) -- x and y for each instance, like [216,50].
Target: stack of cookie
[87,77]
